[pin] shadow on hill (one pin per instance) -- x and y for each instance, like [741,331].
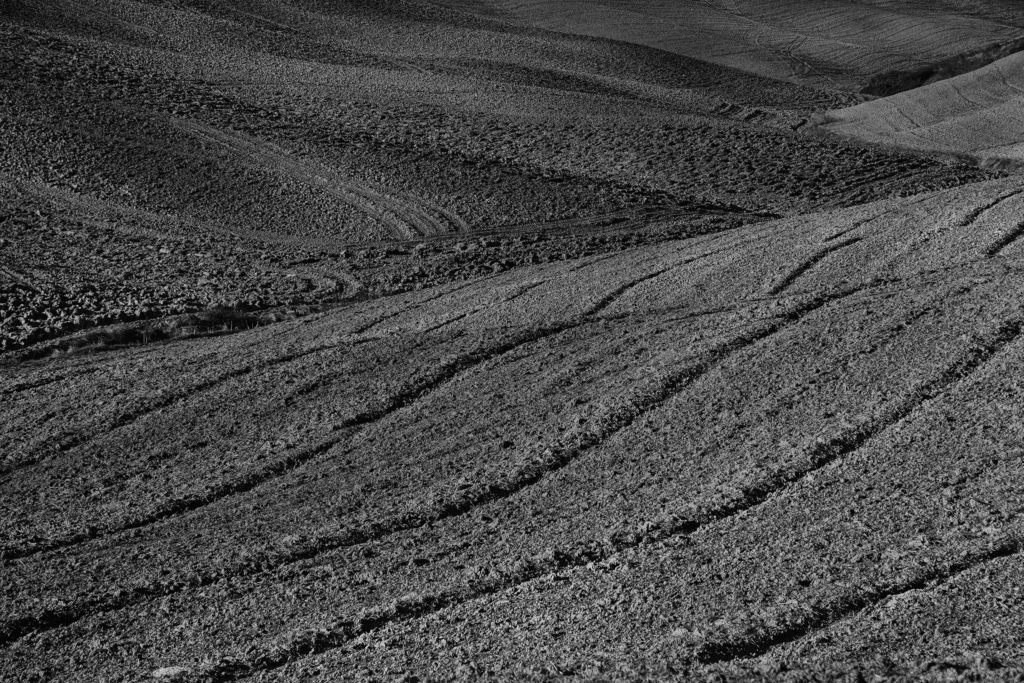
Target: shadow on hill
[892,82]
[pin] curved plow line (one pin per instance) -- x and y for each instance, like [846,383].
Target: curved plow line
[86,436]
[49,619]
[822,616]
[268,472]
[811,261]
[685,522]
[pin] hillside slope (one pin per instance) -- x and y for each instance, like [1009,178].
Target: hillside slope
[835,44]
[160,158]
[798,438]
[978,114]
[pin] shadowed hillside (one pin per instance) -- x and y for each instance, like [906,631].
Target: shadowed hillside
[179,156]
[978,114]
[837,44]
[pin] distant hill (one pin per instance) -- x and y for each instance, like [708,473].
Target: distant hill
[978,114]
[837,44]
[160,158]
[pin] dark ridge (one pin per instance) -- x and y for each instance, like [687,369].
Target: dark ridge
[893,82]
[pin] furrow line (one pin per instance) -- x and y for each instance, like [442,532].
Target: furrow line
[28,386]
[972,217]
[685,522]
[843,445]
[447,373]
[365,327]
[86,436]
[620,291]
[864,221]
[13,630]
[554,459]
[816,258]
[1004,241]
[606,301]
[847,606]
[278,468]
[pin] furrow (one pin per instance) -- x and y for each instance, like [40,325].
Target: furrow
[366,327]
[184,504]
[278,468]
[809,263]
[684,522]
[972,217]
[843,445]
[17,628]
[828,614]
[256,478]
[551,461]
[620,291]
[87,436]
[28,386]
[1004,241]
[604,302]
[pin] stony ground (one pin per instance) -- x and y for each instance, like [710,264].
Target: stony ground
[408,343]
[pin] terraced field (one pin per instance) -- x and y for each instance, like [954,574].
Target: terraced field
[408,341]
[977,114]
[835,44]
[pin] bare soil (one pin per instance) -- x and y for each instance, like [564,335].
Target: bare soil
[350,341]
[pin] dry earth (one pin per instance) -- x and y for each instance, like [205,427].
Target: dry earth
[794,439]
[978,114]
[588,360]
[158,158]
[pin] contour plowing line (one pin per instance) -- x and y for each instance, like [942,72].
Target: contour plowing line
[822,454]
[808,263]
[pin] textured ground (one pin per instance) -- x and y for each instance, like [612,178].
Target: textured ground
[978,114]
[588,360]
[796,438]
[158,158]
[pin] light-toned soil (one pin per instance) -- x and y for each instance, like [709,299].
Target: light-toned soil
[978,114]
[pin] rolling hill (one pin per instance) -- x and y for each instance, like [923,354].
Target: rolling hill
[836,44]
[477,339]
[796,437]
[977,114]
[162,158]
